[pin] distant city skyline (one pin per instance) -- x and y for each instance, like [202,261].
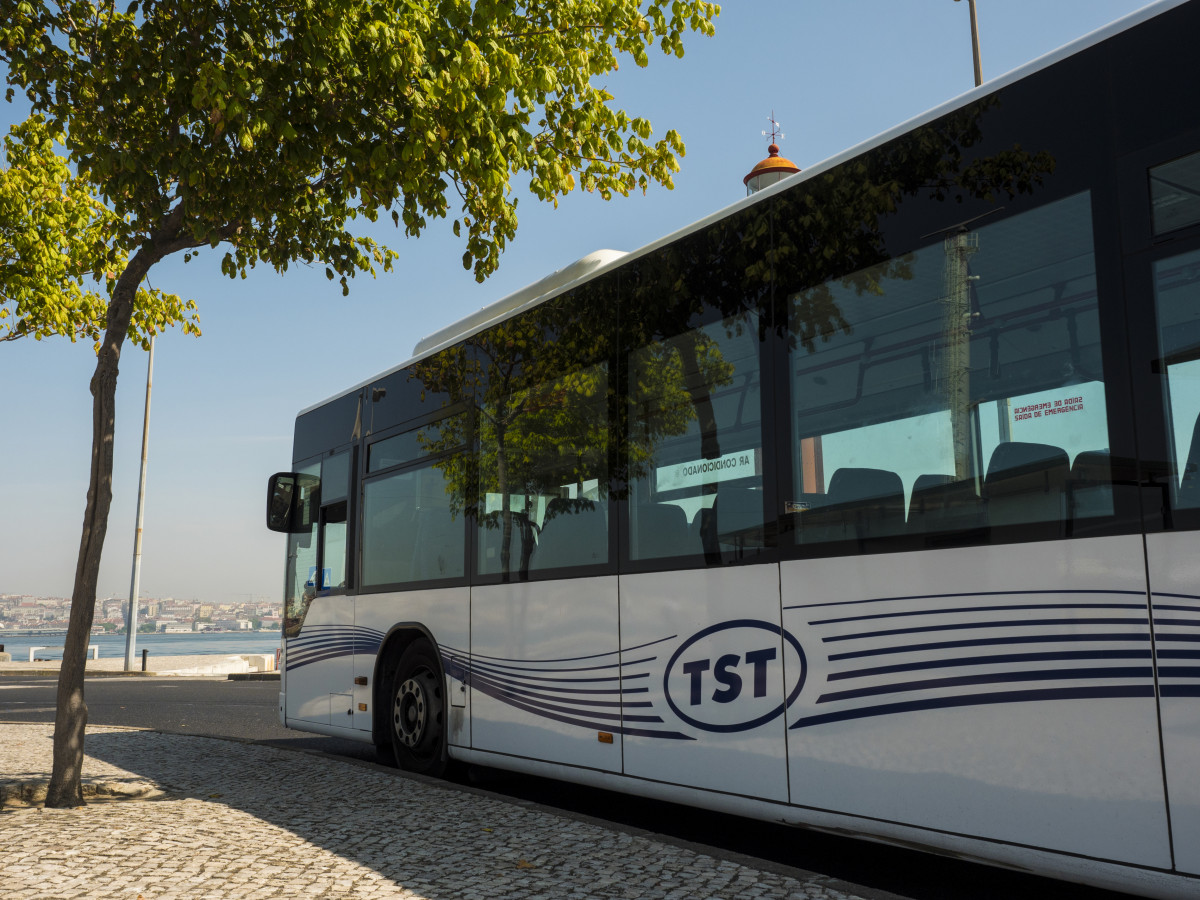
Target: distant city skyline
[835,74]
[25,612]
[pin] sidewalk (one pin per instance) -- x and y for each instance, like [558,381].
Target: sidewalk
[222,819]
[205,665]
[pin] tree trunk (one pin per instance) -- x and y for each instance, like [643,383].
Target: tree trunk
[65,789]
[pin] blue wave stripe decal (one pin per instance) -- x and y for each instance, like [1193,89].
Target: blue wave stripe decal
[490,664]
[1129,672]
[1177,680]
[1077,693]
[1000,623]
[518,703]
[972,610]
[606,711]
[1180,690]
[995,642]
[547,662]
[549,689]
[519,691]
[975,595]
[317,643]
[507,673]
[995,659]
[1178,654]
[910,667]
[1170,631]
[1179,671]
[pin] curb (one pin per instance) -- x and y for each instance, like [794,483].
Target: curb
[254,676]
[99,673]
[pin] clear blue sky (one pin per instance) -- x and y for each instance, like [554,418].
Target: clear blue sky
[835,73]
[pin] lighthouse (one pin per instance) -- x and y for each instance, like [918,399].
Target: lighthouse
[773,169]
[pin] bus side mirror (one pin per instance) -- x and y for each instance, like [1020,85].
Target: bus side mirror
[291,502]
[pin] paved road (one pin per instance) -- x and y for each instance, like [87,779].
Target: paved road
[217,707]
[247,710]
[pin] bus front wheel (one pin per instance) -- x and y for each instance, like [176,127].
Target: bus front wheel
[418,711]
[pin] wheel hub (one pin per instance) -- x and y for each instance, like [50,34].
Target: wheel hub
[409,714]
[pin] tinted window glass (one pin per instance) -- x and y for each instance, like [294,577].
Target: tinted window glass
[413,529]
[954,388]
[693,324]
[1175,193]
[335,477]
[695,442]
[543,475]
[335,487]
[1177,295]
[412,445]
[544,433]
[300,578]
[333,547]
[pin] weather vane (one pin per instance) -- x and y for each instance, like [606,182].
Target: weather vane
[775,132]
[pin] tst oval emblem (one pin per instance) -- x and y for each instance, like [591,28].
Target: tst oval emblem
[731,676]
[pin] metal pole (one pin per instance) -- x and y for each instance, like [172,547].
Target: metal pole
[131,618]
[975,43]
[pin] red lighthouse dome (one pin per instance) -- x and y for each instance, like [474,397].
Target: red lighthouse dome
[771,170]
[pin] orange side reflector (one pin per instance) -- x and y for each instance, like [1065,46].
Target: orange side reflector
[362,707]
[604,737]
[361,679]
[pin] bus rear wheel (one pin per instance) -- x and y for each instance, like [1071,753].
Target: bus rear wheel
[418,711]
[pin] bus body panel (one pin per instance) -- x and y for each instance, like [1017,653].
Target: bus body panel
[545,671]
[717,676]
[443,614]
[1003,692]
[1175,582]
[319,663]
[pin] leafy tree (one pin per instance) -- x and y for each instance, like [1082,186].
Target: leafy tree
[272,128]
[57,254]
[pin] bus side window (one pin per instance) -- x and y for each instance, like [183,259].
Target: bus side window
[957,393]
[1177,297]
[695,450]
[299,586]
[413,528]
[334,519]
[333,547]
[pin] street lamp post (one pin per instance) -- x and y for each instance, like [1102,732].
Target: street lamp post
[975,43]
[131,617]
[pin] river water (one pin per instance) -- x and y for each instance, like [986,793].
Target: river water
[224,643]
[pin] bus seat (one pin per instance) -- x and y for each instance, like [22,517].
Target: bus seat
[944,503]
[701,529]
[1026,483]
[1189,486]
[861,504]
[574,533]
[1091,485]
[662,530]
[738,512]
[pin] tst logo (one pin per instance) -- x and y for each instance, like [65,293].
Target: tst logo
[731,676]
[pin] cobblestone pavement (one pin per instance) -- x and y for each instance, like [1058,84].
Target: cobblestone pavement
[234,820]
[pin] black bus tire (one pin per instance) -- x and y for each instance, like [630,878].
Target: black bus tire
[417,711]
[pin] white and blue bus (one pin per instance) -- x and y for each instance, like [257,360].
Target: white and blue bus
[869,504]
